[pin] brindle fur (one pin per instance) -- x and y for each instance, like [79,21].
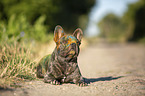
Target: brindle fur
[61,66]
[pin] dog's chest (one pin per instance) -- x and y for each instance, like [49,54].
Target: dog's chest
[66,68]
[61,66]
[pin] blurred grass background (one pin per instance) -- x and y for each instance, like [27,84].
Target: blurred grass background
[26,31]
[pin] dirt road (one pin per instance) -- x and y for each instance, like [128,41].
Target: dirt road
[111,70]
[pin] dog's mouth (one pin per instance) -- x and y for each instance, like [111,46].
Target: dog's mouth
[69,52]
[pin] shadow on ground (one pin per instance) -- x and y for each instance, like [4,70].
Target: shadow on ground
[9,91]
[91,80]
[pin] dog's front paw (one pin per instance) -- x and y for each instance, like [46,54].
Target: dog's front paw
[82,84]
[55,82]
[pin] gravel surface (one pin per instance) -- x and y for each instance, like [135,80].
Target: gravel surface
[110,70]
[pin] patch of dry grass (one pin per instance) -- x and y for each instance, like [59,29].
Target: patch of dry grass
[16,64]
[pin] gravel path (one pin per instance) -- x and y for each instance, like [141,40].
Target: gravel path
[111,70]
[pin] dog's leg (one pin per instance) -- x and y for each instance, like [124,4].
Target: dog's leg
[76,77]
[49,78]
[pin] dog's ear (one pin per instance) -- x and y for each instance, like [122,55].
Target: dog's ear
[78,33]
[58,33]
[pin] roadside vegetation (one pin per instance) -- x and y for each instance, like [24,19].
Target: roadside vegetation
[18,49]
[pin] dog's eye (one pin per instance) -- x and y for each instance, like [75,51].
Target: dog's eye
[65,42]
[79,43]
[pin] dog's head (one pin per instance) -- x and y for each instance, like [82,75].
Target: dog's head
[67,45]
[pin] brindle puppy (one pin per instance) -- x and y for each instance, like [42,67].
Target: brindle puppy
[61,66]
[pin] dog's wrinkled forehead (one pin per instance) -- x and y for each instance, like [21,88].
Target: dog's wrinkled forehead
[69,39]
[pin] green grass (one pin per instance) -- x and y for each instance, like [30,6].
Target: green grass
[20,44]
[16,64]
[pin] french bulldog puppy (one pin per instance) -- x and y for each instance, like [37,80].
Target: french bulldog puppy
[61,66]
